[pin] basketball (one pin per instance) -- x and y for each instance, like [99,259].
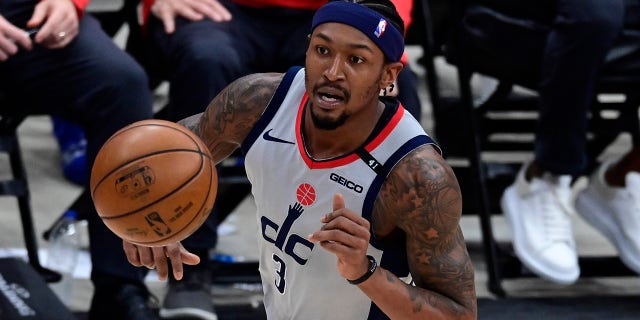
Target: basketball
[153,183]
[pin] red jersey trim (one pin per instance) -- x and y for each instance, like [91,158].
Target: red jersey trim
[348,158]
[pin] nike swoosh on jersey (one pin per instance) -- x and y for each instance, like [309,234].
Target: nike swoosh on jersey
[269,137]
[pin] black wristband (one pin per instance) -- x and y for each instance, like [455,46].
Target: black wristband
[373,265]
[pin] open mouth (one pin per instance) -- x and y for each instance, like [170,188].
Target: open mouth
[331,95]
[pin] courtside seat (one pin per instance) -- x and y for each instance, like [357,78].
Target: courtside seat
[16,185]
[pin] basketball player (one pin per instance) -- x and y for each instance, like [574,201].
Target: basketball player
[358,211]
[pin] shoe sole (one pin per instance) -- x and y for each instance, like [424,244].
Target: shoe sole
[187,313]
[593,212]
[529,261]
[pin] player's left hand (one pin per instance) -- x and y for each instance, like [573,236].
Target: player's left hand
[345,234]
[58,22]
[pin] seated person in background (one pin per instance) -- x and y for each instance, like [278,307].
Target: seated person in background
[203,46]
[73,70]
[538,205]
[393,247]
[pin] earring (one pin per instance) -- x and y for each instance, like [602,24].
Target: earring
[391,87]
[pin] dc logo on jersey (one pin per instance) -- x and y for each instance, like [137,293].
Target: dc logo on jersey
[279,233]
[382,26]
[294,245]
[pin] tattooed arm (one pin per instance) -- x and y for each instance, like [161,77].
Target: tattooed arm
[232,114]
[222,126]
[422,198]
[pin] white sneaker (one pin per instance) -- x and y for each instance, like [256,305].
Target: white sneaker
[539,214]
[615,212]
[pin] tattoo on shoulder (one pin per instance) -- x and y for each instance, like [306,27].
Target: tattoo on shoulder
[236,109]
[421,188]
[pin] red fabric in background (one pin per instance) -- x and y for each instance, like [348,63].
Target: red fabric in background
[80,4]
[404,8]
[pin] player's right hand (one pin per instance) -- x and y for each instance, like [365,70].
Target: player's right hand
[194,10]
[10,38]
[159,258]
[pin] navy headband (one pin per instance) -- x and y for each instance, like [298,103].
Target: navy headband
[368,21]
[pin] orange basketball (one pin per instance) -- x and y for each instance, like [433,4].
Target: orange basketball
[153,182]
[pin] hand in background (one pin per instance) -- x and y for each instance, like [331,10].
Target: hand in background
[58,22]
[11,39]
[168,10]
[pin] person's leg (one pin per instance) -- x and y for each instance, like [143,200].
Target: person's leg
[538,205]
[200,59]
[630,162]
[582,33]
[611,205]
[95,84]
[287,38]
[117,94]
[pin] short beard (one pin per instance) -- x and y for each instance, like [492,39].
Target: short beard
[328,124]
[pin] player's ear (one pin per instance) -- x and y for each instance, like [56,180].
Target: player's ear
[390,74]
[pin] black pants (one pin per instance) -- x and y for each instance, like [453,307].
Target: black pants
[581,33]
[91,82]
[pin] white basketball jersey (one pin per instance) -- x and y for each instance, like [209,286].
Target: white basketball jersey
[292,192]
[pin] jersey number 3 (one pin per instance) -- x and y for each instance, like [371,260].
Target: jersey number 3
[292,245]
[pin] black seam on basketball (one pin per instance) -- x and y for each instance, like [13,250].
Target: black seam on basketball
[134,126]
[138,125]
[163,197]
[108,174]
